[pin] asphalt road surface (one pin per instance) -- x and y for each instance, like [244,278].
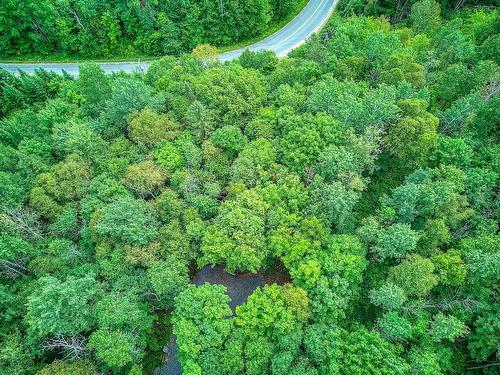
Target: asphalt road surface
[295,33]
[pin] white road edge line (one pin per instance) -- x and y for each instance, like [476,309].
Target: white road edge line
[30,68]
[315,30]
[301,26]
[249,47]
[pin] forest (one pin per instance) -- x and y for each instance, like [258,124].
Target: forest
[365,166]
[129,28]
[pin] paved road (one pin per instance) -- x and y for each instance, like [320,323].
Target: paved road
[295,33]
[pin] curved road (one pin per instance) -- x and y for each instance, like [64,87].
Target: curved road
[295,33]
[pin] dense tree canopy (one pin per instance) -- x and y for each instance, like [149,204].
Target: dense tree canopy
[357,178]
[145,27]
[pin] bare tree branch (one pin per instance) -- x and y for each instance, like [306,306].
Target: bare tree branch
[497,363]
[492,89]
[12,270]
[74,14]
[222,9]
[459,4]
[74,347]
[24,221]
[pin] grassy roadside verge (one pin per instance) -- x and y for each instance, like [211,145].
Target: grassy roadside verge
[270,31]
[62,58]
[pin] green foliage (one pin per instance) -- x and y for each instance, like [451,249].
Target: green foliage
[415,275]
[150,128]
[431,194]
[79,367]
[123,322]
[413,137]
[14,253]
[425,15]
[447,327]
[388,296]
[435,234]
[402,67]
[144,179]
[168,278]
[237,235]
[395,241]
[265,61]
[483,342]
[127,220]
[66,182]
[18,92]
[253,161]
[366,352]
[12,194]
[61,308]
[200,322]
[285,308]
[149,28]
[117,311]
[82,141]
[95,88]
[481,257]
[334,203]
[450,268]
[281,8]
[453,151]
[424,362]
[362,108]
[167,155]
[229,138]
[233,94]
[394,327]
[128,95]
[357,180]
[115,348]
